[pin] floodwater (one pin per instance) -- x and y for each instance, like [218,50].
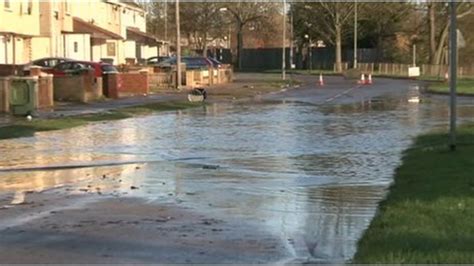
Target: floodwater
[311,175]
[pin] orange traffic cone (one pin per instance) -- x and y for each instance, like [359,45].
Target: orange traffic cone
[369,80]
[321,80]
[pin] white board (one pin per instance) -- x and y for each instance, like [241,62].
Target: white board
[413,72]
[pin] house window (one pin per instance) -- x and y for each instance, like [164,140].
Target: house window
[76,48]
[67,6]
[111,49]
[6,3]
[29,10]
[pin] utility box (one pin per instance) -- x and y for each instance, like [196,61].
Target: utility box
[23,95]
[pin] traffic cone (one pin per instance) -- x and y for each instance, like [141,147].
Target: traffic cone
[362,79]
[321,80]
[369,80]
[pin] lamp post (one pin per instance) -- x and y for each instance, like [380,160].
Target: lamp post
[310,52]
[166,20]
[178,48]
[291,40]
[283,60]
[355,33]
[453,47]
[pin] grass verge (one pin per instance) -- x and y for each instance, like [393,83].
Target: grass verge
[428,214]
[23,128]
[304,72]
[465,87]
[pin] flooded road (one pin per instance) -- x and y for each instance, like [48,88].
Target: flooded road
[307,176]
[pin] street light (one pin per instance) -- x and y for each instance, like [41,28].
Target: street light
[355,33]
[310,52]
[227,39]
[283,60]
[178,48]
[453,45]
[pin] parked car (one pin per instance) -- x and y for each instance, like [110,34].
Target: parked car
[215,63]
[192,62]
[45,63]
[76,67]
[156,59]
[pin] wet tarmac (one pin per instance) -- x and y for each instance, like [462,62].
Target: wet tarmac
[291,177]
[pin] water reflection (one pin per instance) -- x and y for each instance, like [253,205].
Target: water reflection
[311,175]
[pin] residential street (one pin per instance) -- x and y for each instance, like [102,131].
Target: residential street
[294,175]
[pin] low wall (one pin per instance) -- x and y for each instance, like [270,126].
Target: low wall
[78,88]
[195,78]
[126,84]
[10,70]
[4,95]
[158,81]
[45,92]
[133,84]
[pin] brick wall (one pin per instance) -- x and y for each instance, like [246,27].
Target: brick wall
[78,88]
[133,84]
[45,91]
[127,84]
[4,95]
[159,81]
[10,70]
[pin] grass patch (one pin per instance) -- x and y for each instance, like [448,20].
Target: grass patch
[428,214]
[465,86]
[303,72]
[23,128]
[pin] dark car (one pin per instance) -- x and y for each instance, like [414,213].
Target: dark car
[192,62]
[77,67]
[46,63]
[156,59]
[215,63]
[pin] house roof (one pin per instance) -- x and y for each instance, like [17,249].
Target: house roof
[131,3]
[82,26]
[140,36]
[16,34]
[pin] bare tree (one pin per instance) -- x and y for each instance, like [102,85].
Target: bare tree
[246,13]
[381,23]
[328,20]
[202,22]
[439,19]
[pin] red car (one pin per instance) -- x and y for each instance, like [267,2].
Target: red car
[76,67]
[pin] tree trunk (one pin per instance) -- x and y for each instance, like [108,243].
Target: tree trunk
[432,18]
[204,45]
[338,49]
[441,45]
[379,46]
[240,44]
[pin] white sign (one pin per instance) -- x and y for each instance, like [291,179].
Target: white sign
[413,72]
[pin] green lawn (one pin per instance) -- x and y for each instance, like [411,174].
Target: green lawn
[23,128]
[465,86]
[304,72]
[428,216]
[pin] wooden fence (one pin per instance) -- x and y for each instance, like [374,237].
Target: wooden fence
[435,71]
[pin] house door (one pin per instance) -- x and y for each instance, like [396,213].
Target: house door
[138,51]
[3,50]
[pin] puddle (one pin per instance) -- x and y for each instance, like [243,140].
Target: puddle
[311,175]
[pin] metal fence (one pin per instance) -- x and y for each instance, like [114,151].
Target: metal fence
[319,58]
